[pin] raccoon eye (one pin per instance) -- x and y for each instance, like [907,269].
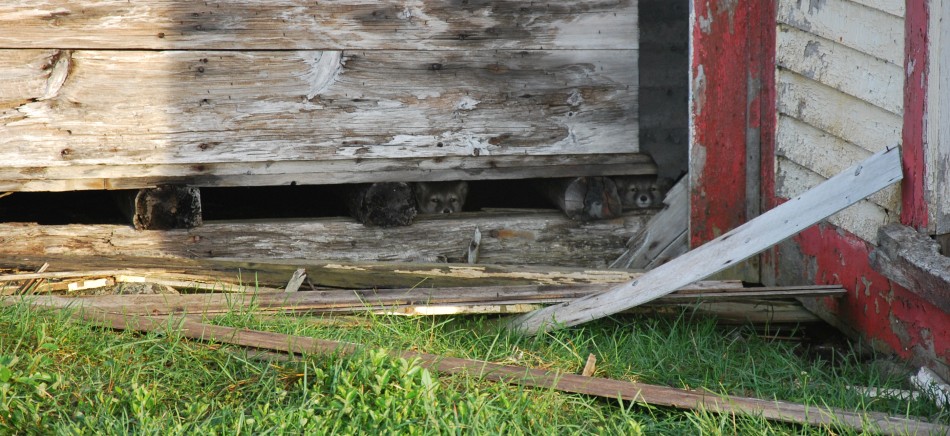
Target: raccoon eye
[433,200]
[653,189]
[453,200]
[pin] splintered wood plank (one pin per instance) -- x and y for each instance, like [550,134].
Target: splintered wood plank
[100,110]
[596,386]
[850,24]
[526,238]
[866,77]
[304,24]
[842,115]
[770,228]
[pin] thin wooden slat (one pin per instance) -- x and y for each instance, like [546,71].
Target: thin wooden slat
[303,24]
[790,218]
[606,388]
[862,218]
[893,7]
[847,70]
[848,23]
[825,155]
[841,115]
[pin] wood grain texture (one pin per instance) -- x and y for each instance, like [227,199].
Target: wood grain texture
[850,71]
[300,24]
[526,238]
[865,29]
[839,192]
[913,261]
[109,114]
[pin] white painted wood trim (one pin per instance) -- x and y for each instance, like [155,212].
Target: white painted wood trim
[937,143]
[849,187]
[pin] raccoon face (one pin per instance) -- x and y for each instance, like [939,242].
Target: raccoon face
[440,197]
[641,192]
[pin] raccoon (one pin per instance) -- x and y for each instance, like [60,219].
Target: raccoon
[639,192]
[440,197]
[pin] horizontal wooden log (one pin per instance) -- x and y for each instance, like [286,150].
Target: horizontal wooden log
[301,24]
[523,237]
[605,388]
[83,119]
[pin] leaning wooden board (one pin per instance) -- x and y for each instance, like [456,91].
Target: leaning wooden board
[107,95]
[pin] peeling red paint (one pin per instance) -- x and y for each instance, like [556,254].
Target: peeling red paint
[727,35]
[882,311]
[913,202]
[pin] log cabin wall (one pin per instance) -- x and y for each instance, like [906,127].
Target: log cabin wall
[120,95]
[840,89]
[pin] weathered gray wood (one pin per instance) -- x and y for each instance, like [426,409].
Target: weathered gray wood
[912,260]
[195,109]
[523,238]
[937,143]
[664,233]
[605,388]
[483,167]
[383,204]
[302,24]
[583,198]
[770,228]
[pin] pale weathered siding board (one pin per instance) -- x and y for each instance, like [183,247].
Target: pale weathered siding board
[846,117]
[862,218]
[855,73]
[312,25]
[840,97]
[826,155]
[199,107]
[938,114]
[860,27]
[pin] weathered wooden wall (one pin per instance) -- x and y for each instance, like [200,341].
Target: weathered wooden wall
[111,94]
[664,84]
[937,142]
[840,85]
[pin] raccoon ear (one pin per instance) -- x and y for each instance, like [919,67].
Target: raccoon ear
[462,189]
[421,189]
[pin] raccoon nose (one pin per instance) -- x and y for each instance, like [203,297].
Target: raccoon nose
[446,210]
[644,198]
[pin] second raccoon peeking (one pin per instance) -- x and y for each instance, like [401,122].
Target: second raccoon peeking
[636,192]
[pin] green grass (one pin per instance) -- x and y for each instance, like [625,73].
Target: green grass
[61,376]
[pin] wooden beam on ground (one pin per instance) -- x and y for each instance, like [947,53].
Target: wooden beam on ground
[912,260]
[852,185]
[596,386]
[402,300]
[508,237]
[665,236]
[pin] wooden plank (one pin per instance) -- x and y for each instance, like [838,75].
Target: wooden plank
[913,261]
[350,170]
[846,117]
[662,232]
[300,24]
[217,107]
[854,73]
[839,192]
[524,238]
[867,30]
[825,155]
[937,146]
[893,7]
[862,218]
[596,386]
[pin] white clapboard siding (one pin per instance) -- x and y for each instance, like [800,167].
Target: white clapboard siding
[826,155]
[860,27]
[893,7]
[318,25]
[862,218]
[842,115]
[850,71]
[195,107]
